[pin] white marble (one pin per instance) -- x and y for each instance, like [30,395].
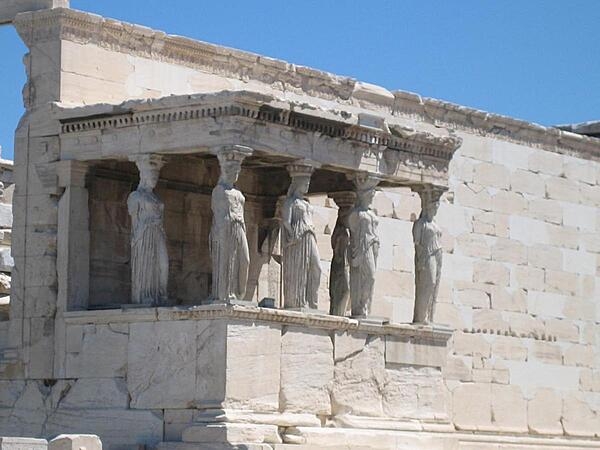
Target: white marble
[339,273]
[428,257]
[149,257]
[228,242]
[301,261]
[364,246]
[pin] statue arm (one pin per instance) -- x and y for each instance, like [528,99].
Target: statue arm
[286,218]
[133,207]
[417,232]
[355,241]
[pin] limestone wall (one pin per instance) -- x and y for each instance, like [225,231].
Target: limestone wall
[522,274]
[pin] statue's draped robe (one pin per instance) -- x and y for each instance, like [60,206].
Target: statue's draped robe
[301,263]
[364,249]
[228,244]
[428,267]
[149,257]
[339,275]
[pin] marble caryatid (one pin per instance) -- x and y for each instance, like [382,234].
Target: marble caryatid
[428,256]
[364,246]
[149,257]
[339,274]
[228,242]
[300,255]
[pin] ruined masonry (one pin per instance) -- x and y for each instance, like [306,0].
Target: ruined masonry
[218,250]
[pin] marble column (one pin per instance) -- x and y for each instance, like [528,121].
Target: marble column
[228,242]
[364,246]
[428,255]
[149,257]
[300,255]
[339,274]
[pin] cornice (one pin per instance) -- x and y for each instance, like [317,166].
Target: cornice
[451,115]
[432,333]
[77,26]
[406,144]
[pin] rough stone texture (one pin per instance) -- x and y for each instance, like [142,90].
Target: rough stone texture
[544,412]
[306,371]
[234,433]
[359,375]
[103,353]
[253,366]
[75,442]
[116,428]
[161,365]
[20,443]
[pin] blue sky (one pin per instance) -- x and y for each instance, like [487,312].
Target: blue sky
[536,60]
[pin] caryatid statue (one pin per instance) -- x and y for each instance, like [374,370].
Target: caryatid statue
[149,257]
[428,256]
[339,274]
[228,242]
[300,255]
[364,246]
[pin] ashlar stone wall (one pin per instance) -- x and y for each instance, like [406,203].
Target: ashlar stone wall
[523,272]
[520,284]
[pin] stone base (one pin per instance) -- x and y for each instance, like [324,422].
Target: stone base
[372,320]
[211,433]
[22,443]
[330,438]
[308,311]
[231,301]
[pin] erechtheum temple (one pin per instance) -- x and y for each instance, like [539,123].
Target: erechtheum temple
[215,249]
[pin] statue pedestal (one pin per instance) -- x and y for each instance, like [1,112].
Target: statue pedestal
[222,374]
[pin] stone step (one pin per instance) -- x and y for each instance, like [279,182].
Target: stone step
[231,432]
[211,446]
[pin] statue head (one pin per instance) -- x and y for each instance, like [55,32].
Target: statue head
[230,161]
[431,209]
[300,174]
[430,203]
[366,188]
[230,171]
[366,196]
[299,186]
[149,167]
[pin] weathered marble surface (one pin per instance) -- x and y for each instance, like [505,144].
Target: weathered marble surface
[364,246]
[427,237]
[149,255]
[300,255]
[228,242]
[339,273]
[75,442]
